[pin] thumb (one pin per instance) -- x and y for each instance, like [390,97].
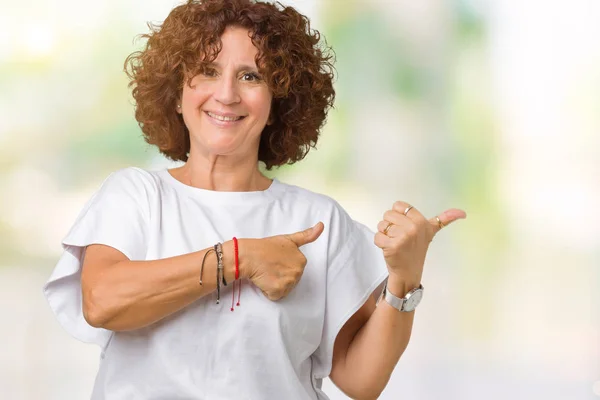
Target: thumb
[446,218]
[307,236]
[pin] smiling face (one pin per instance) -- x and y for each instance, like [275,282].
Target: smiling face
[226,107]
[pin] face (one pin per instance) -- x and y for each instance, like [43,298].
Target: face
[226,107]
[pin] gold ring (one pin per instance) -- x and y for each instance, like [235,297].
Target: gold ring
[440,223]
[407,210]
[387,228]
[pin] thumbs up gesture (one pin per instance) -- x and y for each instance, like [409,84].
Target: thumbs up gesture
[275,264]
[404,235]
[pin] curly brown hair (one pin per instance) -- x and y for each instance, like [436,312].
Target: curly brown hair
[295,65]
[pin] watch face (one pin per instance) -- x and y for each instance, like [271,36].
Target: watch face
[413,301]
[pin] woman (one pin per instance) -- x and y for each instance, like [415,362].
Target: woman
[223,85]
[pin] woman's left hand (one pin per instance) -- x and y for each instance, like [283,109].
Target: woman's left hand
[404,236]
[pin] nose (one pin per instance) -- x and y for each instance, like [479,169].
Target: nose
[226,90]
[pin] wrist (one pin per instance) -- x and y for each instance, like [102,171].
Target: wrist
[229,261]
[244,257]
[399,286]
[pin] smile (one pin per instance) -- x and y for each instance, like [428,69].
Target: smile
[223,118]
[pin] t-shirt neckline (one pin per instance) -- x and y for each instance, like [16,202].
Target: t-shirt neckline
[222,196]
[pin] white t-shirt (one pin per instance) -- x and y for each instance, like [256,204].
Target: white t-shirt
[262,350]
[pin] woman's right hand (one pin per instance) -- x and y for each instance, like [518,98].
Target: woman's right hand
[275,264]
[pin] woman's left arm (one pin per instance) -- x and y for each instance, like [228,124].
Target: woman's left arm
[369,345]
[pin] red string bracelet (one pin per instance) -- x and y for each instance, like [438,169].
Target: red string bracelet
[237,258]
[237,274]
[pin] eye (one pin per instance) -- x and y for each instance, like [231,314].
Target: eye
[250,77]
[210,72]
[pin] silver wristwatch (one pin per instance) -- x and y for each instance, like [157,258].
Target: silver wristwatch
[406,304]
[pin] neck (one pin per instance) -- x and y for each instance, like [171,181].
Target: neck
[222,173]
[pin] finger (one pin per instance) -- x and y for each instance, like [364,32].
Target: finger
[446,218]
[395,218]
[382,225]
[382,241]
[307,236]
[409,211]
[399,224]
[389,229]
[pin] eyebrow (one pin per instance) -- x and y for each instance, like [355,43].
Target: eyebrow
[243,67]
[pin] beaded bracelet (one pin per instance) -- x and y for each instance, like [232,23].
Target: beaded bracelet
[220,247]
[220,275]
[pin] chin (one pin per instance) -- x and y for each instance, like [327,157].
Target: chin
[224,143]
[221,151]
[222,147]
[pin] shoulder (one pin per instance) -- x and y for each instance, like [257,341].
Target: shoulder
[335,217]
[132,180]
[133,175]
[314,199]
[126,188]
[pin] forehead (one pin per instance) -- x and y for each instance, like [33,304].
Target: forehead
[237,46]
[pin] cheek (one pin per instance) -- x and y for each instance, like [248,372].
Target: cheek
[194,95]
[260,103]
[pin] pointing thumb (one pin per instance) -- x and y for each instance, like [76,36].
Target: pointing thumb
[308,235]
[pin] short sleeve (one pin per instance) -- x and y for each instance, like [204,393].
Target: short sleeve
[356,268]
[117,215]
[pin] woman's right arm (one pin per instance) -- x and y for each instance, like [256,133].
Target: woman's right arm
[120,295]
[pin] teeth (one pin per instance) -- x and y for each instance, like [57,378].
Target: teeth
[222,118]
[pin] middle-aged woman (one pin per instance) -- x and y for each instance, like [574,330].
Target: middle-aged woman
[152,258]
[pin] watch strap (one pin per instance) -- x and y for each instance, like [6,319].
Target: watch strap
[394,301]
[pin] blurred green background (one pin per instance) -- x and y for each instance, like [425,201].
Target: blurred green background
[493,107]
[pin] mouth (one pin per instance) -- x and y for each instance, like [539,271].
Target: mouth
[224,118]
